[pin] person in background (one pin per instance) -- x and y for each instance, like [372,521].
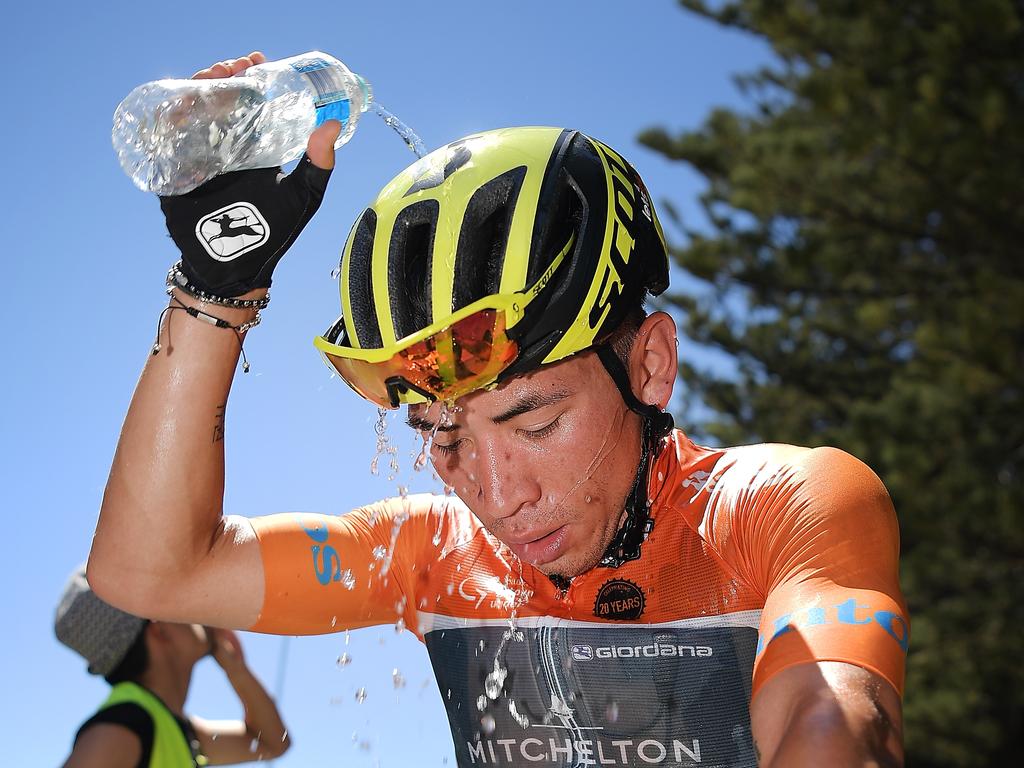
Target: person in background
[148,664]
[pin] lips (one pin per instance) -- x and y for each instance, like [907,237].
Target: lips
[541,550]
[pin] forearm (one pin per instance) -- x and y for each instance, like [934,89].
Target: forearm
[262,720]
[848,729]
[825,737]
[162,506]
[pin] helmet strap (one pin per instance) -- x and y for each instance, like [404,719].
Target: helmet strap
[656,424]
[661,422]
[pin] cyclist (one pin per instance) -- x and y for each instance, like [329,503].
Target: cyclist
[600,590]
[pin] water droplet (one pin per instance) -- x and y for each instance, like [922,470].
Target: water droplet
[348,581]
[611,712]
[661,476]
[397,679]
[399,626]
[344,660]
[450,588]
[487,724]
[335,273]
[360,695]
[379,551]
[522,720]
[587,498]
[495,681]
[403,491]
[481,702]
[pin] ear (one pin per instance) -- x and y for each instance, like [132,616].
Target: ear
[653,365]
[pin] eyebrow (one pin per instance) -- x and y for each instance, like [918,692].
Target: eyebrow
[525,404]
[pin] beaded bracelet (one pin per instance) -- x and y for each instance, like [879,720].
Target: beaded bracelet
[177,279]
[206,317]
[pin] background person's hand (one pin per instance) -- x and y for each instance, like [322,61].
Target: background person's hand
[285,203]
[226,648]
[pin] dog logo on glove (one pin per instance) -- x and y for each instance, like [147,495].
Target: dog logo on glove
[233,230]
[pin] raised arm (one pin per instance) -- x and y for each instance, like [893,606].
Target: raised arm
[162,547]
[262,734]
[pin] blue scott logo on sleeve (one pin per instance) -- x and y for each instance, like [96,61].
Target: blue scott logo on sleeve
[848,613]
[231,231]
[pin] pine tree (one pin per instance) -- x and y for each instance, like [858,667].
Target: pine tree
[863,266]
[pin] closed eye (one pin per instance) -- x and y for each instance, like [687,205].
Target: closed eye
[447,450]
[542,432]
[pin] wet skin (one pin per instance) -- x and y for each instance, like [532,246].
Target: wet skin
[545,461]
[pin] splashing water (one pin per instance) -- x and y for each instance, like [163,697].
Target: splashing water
[348,581]
[522,720]
[412,141]
[442,515]
[495,681]
[381,428]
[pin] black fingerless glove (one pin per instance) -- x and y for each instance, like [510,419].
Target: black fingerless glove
[234,229]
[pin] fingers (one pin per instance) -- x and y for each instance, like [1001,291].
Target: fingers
[230,67]
[320,147]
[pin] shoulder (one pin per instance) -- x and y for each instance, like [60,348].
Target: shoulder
[779,500]
[116,736]
[829,474]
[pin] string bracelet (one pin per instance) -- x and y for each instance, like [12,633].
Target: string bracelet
[206,317]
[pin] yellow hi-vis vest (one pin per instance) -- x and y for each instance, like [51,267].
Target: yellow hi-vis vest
[170,747]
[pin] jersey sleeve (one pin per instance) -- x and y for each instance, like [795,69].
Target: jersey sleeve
[325,573]
[817,533]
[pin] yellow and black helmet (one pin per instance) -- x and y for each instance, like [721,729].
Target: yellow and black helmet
[549,215]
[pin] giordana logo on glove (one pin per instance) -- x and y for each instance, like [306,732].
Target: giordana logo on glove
[234,229]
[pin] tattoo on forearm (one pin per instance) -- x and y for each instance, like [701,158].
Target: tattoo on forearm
[218,423]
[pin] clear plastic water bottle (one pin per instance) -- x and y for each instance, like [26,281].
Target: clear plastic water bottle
[173,135]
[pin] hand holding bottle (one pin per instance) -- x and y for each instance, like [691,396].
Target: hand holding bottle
[233,230]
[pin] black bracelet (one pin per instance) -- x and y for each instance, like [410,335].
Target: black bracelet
[177,279]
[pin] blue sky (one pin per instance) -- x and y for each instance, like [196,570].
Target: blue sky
[85,254]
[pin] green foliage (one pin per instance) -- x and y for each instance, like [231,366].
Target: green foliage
[864,269]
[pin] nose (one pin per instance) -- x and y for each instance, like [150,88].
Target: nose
[503,483]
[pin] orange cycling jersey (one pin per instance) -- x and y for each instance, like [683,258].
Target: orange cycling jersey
[757,558]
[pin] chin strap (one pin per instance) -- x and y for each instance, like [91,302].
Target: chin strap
[657,424]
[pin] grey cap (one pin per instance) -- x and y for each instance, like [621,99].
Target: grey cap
[95,630]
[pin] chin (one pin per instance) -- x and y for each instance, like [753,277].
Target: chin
[569,567]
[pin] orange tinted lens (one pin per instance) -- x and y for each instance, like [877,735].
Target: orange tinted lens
[465,356]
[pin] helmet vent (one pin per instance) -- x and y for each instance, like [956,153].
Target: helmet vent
[483,238]
[363,322]
[562,219]
[409,267]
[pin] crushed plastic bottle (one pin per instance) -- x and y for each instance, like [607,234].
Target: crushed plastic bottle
[172,135]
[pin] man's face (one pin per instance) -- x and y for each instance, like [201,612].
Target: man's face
[545,461]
